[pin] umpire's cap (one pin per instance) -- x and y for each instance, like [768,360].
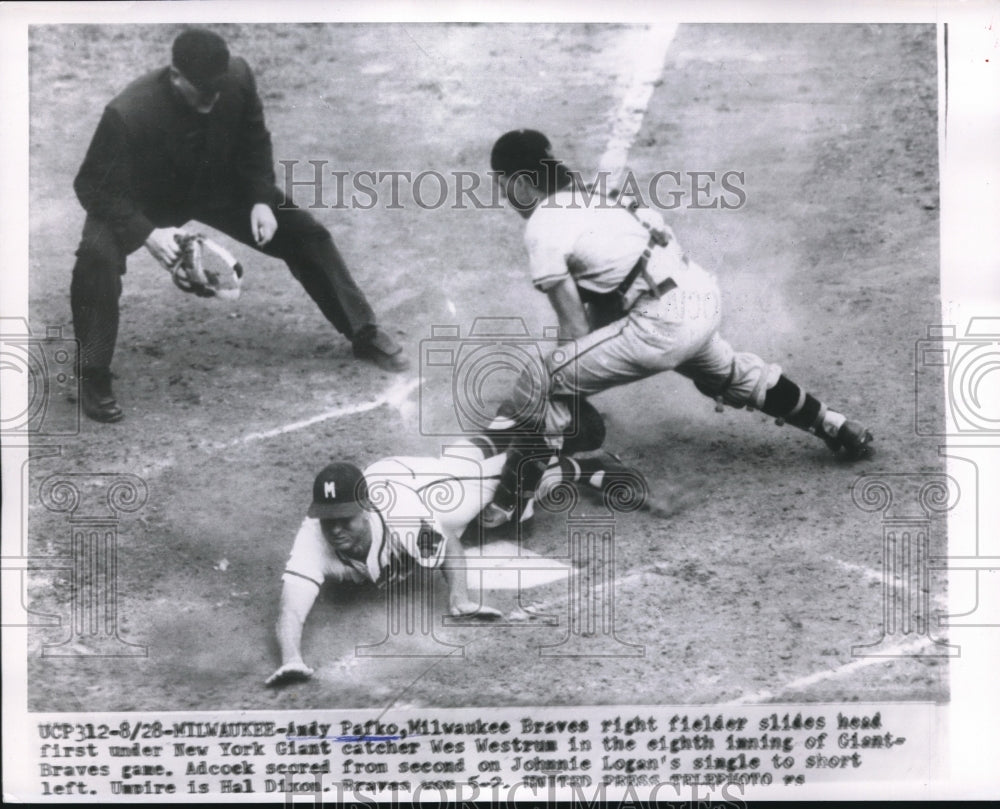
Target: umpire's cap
[202,57]
[339,491]
[521,150]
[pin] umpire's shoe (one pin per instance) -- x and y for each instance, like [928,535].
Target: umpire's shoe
[96,397]
[375,345]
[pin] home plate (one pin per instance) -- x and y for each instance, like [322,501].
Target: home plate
[506,566]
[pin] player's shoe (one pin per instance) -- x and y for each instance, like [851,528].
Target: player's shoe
[852,442]
[610,461]
[615,469]
[97,398]
[375,345]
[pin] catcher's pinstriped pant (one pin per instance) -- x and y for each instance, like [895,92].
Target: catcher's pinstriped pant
[300,241]
[678,332]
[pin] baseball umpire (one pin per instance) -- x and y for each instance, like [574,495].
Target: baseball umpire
[373,526]
[185,142]
[633,304]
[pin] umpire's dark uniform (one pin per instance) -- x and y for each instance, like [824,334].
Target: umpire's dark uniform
[155,162]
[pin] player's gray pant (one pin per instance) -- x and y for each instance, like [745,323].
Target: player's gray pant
[678,332]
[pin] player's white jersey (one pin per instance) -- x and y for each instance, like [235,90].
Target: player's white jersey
[315,560]
[415,502]
[596,242]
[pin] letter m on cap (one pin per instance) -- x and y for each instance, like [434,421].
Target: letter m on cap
[330,489]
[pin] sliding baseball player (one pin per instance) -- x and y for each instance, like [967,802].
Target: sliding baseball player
[376,525]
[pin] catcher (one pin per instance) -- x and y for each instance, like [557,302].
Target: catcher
[634,304]
[375,525]
[189,142]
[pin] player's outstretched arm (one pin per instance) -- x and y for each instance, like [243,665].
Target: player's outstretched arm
[297,598]
[455,575]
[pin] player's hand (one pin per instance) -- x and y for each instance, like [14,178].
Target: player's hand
[162,245]
[263,225]
[293,672]
[470,609]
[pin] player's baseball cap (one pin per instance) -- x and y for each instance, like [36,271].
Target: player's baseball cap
[202,57]
[339,491]
[521,150]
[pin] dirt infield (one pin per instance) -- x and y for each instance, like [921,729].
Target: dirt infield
[766,577]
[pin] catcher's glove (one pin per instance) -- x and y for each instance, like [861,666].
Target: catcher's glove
[215,273]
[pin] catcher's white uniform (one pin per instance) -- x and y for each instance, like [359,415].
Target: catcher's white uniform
[634,305]
[672,309]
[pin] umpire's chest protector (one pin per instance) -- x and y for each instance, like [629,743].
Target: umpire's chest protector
[184,161]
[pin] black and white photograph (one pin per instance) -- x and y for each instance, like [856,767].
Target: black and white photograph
[401,404]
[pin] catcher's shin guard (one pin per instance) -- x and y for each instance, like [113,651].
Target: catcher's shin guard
[522,470]
[605,473]
[787,402]
[586,431]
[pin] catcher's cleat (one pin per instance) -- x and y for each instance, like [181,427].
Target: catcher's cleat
[374,345]
[852,441]
[97,399]
[614,468]
[611,461]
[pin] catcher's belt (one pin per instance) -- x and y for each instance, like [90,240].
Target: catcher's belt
[607,307]
[206,269]
[657,238]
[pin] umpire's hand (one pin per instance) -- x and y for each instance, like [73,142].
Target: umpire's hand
[162,244]
[293,672]
[263,225]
